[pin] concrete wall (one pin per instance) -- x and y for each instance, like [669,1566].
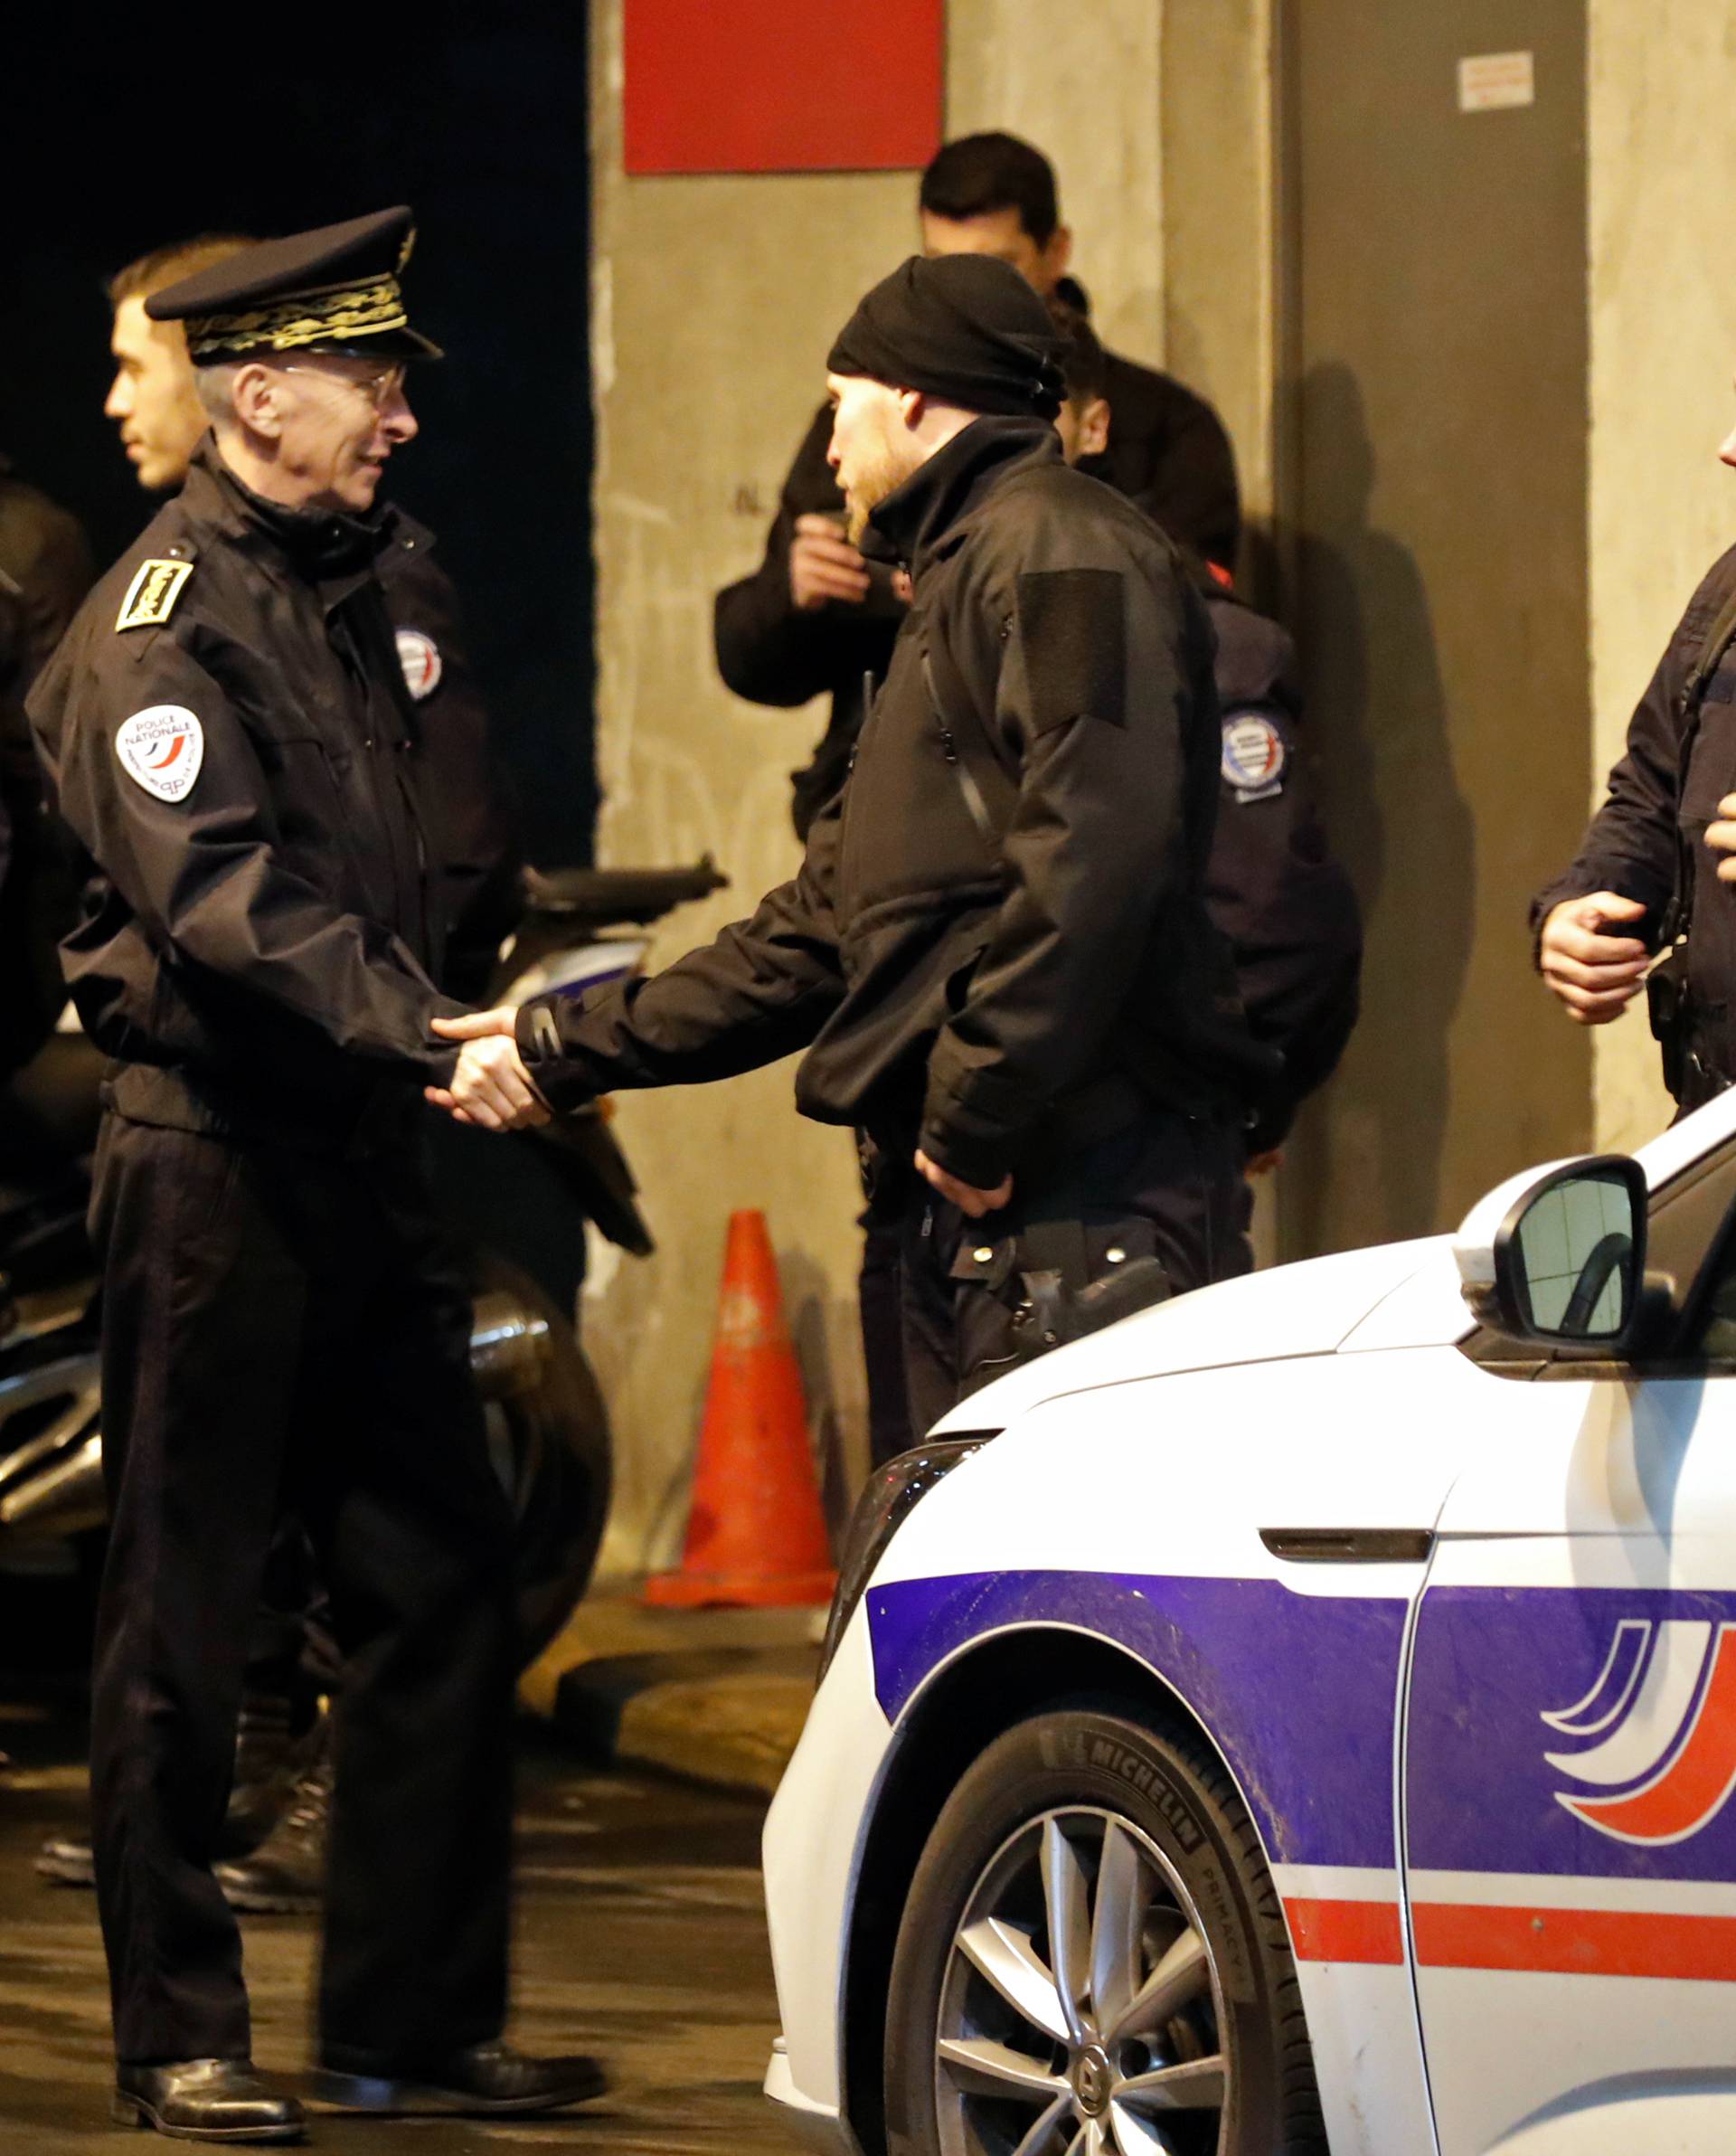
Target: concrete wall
[715,299]
[1089,95]
[1220,203]
[1663,311]
[715,302]
[1437,389]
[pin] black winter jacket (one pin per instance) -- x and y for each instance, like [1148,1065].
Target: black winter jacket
[956,990]
[45,570]
[1656,815]
[1168,452]
[1272,885]
[260,942]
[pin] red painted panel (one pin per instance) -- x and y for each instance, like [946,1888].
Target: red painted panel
[782,85]
[1576,1942]
[1335,1930]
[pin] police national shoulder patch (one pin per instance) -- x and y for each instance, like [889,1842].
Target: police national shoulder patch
[152,594]
[1254,755]
[161,747]
[419,656]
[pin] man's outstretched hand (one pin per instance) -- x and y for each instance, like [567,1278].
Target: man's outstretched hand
[491,1088]
[965,1196]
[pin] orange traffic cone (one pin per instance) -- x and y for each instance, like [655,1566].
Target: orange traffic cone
[755,1534]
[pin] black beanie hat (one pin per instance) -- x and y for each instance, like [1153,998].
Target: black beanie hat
[964,328]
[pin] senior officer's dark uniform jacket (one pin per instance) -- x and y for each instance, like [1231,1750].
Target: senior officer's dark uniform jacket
[269,942]
[1168,453]
[1680,762]
[996,948]
[258,953]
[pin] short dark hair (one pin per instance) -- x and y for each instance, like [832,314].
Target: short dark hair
[1082,365]
[166,266]
[980,174]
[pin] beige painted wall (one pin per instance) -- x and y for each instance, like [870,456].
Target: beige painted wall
[1663,305]
[1219,182]
[715,302]
[1084,83]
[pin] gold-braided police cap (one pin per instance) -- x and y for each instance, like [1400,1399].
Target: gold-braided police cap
[335,289]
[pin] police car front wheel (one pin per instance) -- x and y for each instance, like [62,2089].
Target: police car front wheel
[1092,1960]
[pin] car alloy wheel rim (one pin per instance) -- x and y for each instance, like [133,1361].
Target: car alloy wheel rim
[1081,2009]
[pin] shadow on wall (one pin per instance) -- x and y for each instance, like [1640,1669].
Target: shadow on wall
[1368,1150]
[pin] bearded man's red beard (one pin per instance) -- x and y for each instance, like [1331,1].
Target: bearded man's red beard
[873,480]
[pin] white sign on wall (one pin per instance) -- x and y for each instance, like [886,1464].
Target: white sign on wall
[1493,80]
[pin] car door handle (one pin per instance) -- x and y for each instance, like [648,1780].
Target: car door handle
[1349,1545]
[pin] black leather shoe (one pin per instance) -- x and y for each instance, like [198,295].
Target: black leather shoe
[205,2099]
[485,2079]
[287,1872]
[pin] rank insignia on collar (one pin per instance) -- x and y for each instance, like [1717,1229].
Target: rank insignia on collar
[151,596]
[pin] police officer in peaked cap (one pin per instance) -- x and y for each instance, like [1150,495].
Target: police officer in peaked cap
[236,740]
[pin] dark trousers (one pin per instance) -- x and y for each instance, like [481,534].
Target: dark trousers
[943,1297]
[280,1332]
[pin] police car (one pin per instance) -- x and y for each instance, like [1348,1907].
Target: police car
[1301,1716]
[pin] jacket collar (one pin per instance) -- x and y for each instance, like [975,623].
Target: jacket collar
[335,551]
[917,520]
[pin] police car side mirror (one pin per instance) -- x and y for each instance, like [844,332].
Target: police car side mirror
[1557,1255]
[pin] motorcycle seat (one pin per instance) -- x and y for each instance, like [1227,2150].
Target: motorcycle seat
[620,894]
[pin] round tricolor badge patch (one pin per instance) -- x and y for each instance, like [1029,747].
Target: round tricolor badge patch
[162,748]
[1253,753]
[419,656]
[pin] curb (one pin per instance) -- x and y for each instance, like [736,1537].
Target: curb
[715,1696]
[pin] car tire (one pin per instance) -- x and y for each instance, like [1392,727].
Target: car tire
[1077,1796]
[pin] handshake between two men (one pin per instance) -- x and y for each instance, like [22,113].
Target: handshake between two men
[491,1091]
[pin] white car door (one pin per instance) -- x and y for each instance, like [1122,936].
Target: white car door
[1568,1833]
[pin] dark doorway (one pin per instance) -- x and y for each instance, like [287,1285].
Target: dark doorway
[473,114]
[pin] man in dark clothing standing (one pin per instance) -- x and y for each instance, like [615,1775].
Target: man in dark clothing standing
[816,615]
[281,1787]
[995,953]
[1646,902]
[234,741]
[1272,886]
[1650,867]
[45,570]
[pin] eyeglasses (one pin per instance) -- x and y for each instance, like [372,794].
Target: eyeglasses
[378,387]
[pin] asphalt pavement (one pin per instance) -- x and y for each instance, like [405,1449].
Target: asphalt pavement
[640,1937]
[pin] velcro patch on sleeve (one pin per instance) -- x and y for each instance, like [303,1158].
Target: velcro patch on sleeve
[1073,634]
[151,596]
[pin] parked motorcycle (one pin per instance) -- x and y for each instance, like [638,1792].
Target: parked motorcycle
[520,1204]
